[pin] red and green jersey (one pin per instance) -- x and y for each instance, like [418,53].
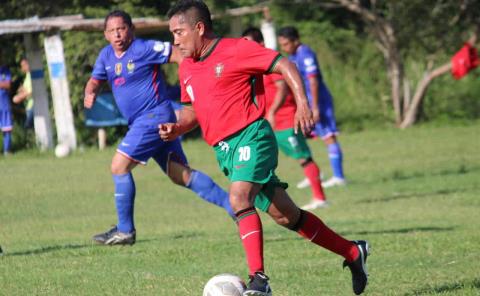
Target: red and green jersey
[225,86]
[285,115]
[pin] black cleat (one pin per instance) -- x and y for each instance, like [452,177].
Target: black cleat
[258,286]
[359,267]
[115,237]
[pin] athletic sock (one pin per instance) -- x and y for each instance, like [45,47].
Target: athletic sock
[7,141]
[251,234]
[313,229]
[312,172]
[124,201]
[336,159]
[208,190]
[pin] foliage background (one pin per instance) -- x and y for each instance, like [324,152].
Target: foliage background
[352,66]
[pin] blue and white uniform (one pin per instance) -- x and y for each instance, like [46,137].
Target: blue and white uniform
[5,111]
[140,93]
[308,66]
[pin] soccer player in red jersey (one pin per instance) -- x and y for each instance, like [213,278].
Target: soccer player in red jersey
[221,83]
[280,113]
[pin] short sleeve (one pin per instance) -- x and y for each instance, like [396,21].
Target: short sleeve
[7,75]
[308,62]
[157,52]
[254,58]
[99,71]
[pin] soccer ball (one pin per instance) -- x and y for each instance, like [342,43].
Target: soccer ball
[62,150]
[224,285]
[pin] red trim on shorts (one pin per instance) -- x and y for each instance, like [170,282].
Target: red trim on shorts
[329,135]
[7,129]
[154,80]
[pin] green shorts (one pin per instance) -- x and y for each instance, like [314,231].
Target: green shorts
[293,145]
[251,155]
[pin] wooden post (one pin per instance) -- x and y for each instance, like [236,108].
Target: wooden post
[42,121]
[60,92]
[102,138]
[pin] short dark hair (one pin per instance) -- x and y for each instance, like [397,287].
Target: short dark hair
[255,33]
[290,32]
[202,13]
[119,13]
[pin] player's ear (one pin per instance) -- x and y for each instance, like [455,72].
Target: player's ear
[200,26]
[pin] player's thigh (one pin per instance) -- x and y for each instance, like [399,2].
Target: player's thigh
[242,194]
[122,164]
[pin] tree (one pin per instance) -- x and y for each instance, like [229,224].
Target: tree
[402,29]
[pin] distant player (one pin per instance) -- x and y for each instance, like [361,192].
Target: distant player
[222,89]
[280,113]
[319,98]
[6,124]
[131,66]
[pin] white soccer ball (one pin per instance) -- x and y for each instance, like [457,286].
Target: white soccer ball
[224,285]
[62,150]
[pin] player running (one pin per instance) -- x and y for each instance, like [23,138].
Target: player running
[221,81]
[131,66]
[280,113]
[319,98]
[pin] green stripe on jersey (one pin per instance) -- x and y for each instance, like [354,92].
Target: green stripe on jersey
[274,63]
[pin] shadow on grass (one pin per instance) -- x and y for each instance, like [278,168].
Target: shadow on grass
[398,175]
[401,230]
[397,196]
[47,249]
[449,287]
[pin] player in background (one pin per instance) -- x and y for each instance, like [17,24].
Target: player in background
[319,98]
[280,113]
[222,89]
[131,66]
[6,124]
[24,94]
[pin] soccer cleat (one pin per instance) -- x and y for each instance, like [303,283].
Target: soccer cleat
[258,286]
[115,237]
[315,204]
[359,267]
[303,184]
[334,181]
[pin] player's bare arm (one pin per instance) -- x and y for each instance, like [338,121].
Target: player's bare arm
[280,95]
[303,116]
[188,120]
[91,90]
[313,82]
[5,84]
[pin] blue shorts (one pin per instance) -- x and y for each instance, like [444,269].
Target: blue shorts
[327,126]
[142,141]
[6,120]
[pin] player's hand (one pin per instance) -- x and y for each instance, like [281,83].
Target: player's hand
[168,131]
[88,100]
[303,119]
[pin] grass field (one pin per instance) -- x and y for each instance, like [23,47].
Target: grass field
[413,194]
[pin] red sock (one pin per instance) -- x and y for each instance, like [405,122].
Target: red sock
[251,234]
[314,230]
[312,172]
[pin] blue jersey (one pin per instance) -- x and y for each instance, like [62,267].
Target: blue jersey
[4,93]
[135,78]
[308,66]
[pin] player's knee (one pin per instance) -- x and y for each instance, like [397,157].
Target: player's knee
[239,200]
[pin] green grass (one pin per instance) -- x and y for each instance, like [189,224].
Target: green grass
[413,194]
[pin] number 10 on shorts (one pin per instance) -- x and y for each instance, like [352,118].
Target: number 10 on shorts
[244,153]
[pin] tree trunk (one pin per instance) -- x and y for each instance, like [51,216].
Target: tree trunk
[411,115]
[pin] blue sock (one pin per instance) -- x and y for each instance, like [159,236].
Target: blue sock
[336,159]
[208,190]
[124,200]
[7,141]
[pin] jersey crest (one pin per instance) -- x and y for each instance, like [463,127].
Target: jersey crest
[130,66]
[218,70]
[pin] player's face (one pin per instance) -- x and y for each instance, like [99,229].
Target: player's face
[118,33]
[186,37]
[24,66]
[287,45]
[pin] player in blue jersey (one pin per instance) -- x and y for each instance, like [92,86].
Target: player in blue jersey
[132,68]
[5,112]
[319,98]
